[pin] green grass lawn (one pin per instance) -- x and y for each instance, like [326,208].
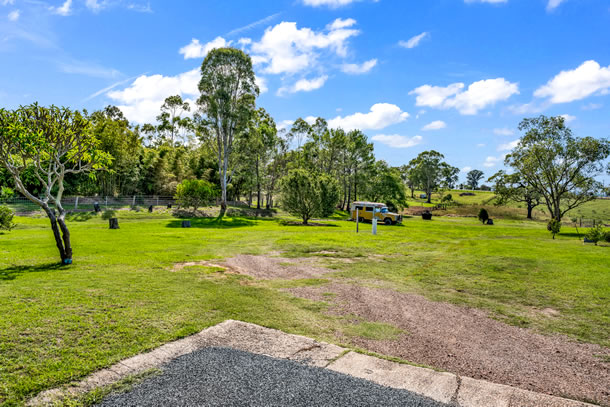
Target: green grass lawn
[121,296]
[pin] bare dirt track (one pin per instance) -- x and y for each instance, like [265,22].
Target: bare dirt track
[468,342]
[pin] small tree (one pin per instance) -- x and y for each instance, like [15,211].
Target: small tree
[53,143]
[6,218]
[483,215]
[597,234]
[194,193]
[514,188]
[306,194]
[554,226]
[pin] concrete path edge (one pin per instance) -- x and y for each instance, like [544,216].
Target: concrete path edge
[447,388]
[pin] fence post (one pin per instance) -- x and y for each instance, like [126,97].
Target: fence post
[76,203]
[134,201]
[106,202]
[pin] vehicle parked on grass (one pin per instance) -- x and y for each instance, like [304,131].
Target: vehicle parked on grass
[364,211]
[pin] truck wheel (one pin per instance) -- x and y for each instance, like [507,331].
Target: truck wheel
[361,219]
[387,221]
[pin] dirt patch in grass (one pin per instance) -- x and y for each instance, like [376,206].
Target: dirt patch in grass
[467,341]
[265,267]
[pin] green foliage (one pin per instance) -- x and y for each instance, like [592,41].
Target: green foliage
[560,167]
[447,198]
[483,215]
[6,218]
[427,171]
[598,234]
[554,226]
[194,193]
[108,214]
[6,193]
[307,194]
[385,185]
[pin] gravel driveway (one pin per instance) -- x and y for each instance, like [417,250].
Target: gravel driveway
[227,377]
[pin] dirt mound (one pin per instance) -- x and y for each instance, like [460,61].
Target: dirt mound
[264,267]
[269,268]
[467,342]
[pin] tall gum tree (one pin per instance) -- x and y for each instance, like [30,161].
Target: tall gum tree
[560,167]
[228,94]
[51,142]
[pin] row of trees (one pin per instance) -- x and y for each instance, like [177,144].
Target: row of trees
[234,150]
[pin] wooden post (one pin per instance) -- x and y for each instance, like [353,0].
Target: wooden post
[134,201]
[357,219]
[76,203]
[113,223]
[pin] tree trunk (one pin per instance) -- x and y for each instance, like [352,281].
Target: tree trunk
[258,187]
[529,210]
[63,253]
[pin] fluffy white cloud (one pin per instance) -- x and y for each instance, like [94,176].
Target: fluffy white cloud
[508,146]
[64,10]
[567,86]
[553,4]
[435,125]
[197,50]
[262,84]
[285,124]
[287,49]
[492,161]
[356,69]
[328,3]
[466,170]
[141,101]
[7,2]
[568,118]
[397,141]
[93,5]
[380,116]
[478,96]
[304,85]
[14,15]
[504,132]
[413,41]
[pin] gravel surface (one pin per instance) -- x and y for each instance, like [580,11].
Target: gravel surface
[468,342]
[227,377]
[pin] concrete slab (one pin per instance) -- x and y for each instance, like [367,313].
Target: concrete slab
[436,385]
[442,387]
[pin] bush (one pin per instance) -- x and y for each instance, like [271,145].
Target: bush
[194,193]
[447,198]
[597,234]
[6,193]
[109,213]
[554,226]
[483,215]
[308,194]
[6,218]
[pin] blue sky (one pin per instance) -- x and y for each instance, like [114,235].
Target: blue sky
[456,76]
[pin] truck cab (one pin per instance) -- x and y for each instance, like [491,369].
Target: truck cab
[364,211]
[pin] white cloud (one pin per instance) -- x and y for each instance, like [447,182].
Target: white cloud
[64,10]
[14,15]
[93,5]
[413,41]
[356,69]
[254,24]
[7,2]
[197,50]
[141,101]
[567,86]
[508,146]
[480,145]
[592,106]
[328,3]
[397,141]
[380,116]
[478,96]
[492,161]
[286,49]
[504,132]
[285,124]
[553,4]
[304,85]
[435,125]
[466,170]
[568,118]
[75,66]
[262,84]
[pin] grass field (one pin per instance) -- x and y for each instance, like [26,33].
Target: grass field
[122,297]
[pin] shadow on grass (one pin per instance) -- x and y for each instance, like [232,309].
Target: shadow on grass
[79,216]
[214,223]
[10,273]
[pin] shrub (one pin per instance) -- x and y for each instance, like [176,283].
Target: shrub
[447,198]
[307,194]
[597,234]
[554,226]
[6,218]
[194,193]
[109,213]
[6,193]
[483,215]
